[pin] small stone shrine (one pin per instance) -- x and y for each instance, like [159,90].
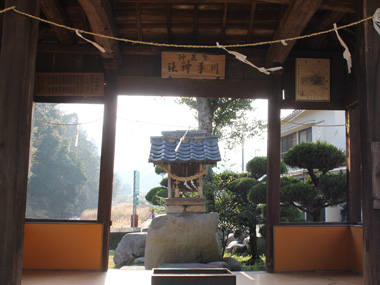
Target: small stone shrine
[187,234]
[184,155]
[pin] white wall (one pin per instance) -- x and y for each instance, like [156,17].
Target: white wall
[327,126]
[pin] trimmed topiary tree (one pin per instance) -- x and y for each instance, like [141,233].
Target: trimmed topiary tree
[318,156]
[246,214]
[321,190]
[257,167]
[156,195]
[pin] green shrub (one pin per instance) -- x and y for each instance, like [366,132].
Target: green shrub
[257,167]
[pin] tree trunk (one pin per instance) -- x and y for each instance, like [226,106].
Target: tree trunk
[204,115]
[205,123]
[253,245]
[316,215]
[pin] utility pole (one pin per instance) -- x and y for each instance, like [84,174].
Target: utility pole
[136,191]
[242,154]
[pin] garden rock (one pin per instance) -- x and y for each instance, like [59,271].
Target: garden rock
[231,245]
[182,238]
[236,247]
[233,264]
[219,264]
[130,247]
[239,248]
[231,238]
[139,260]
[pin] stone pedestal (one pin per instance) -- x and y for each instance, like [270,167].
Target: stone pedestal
[182,238]
[185,205]
[200,276]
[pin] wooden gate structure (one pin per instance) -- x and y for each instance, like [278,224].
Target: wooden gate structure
[43,62]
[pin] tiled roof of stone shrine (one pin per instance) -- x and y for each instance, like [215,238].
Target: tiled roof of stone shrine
[196,146]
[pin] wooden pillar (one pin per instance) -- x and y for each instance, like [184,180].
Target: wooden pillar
[354,197]
[17,65]
[369,102]
[169,182]
[107,161]
[273,168]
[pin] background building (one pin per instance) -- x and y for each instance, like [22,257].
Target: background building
[311,126]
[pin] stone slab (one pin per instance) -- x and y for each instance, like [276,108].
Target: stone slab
[220,276]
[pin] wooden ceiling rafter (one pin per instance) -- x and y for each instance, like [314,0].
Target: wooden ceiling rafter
[294,21]
[224,22]
[43,29]
[346,6]
[195,33]
[326,22]
[169,22]
[138,21]
[101,20]
[251,21]
[53,11]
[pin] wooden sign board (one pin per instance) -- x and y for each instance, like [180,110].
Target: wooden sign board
[69,84]
[192,65]
[312,79]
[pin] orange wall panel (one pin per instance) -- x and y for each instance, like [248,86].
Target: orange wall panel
[356,260]
[63,246]
[304,248]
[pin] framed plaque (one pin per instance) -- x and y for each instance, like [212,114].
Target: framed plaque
[312,79]
[192,65]
[69,84]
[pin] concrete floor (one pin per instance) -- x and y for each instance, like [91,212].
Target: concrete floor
[143,277]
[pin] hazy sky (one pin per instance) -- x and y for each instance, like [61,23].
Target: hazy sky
[141,117]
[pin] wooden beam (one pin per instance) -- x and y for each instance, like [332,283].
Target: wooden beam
[354,199]
[155,86]
[251,21]
[53,12]
[326,22]
[107,161]
[17,65]
[369,105]
[273,172]
[99,15]
[296,17]
[346,6]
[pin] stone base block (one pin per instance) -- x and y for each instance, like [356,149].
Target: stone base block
[182,238]
[197,276]
[185,205]
[177,209]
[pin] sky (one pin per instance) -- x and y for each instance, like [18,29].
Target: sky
[140,117]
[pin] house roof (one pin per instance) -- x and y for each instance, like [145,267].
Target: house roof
[195,146]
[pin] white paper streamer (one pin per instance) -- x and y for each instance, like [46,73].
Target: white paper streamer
[192,183]
[284,42]
[243,58]
[77,137]
[376,20]
[91,42]
[187,185]
[346,53]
